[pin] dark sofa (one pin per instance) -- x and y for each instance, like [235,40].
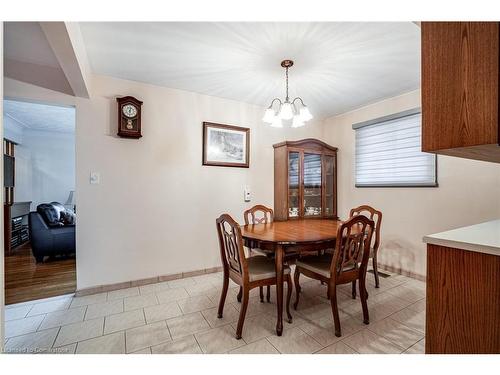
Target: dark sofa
[50,232]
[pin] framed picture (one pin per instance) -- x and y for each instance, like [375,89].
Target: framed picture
[226,145]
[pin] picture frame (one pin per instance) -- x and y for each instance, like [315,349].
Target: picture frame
[226,145]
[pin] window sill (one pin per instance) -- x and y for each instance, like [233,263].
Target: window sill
[398,186]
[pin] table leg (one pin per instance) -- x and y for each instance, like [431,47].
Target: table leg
[279,288]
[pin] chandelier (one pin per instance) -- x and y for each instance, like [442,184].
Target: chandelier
[287,110]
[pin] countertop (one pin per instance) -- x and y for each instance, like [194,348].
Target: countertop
[481,238]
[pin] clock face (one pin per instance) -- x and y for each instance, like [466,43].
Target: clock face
[129,110]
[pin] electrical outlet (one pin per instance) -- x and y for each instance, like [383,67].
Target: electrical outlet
[247,194]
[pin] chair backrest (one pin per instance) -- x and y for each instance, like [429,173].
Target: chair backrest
[231,246]
[352,246]
[258,214]
[374,215]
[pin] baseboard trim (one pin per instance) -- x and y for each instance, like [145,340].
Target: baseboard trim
[403,272]
[182,275]
[141,282]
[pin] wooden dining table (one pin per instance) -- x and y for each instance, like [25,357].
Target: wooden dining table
[292,236]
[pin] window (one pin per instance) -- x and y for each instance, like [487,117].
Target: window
[388,152]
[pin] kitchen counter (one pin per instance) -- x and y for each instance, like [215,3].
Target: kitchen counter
[482,238]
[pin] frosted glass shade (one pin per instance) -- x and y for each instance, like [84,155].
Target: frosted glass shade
[297,122]
[269,116]
[277,123]
[286,111]
[305,115]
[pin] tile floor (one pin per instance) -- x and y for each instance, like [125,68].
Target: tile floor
[180,317]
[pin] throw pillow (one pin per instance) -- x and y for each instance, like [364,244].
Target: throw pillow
[50,214]
[68,217]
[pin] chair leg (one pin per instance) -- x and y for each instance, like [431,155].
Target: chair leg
[354,289]
[288,296]
[364,296]
[261,293]
[238,297]
[268,296]
[243,312]
[375,271]
[296,277]
[335,311]
[223,295]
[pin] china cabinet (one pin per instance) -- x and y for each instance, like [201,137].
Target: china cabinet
[305,180]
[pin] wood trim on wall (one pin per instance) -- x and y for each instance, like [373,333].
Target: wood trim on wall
[8,199]
[141,282]
[183,275]
[401,271]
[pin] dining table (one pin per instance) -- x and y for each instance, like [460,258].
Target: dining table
[291,236]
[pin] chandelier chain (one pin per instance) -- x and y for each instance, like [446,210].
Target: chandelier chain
[287,98]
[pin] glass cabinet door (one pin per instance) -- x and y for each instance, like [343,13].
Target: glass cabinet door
[329,185]
[312,185]
[293,184]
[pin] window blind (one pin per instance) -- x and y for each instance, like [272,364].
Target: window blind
[312,170]
[388,152]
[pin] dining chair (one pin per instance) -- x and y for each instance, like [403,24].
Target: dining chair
[248,273]
[348,263]
[376,216]
[258,214]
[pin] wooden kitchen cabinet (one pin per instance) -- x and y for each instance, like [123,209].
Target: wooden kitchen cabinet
[460,101]
[463,290]
[463,302]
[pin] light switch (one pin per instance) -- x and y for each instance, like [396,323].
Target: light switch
[247,194]
[95,177]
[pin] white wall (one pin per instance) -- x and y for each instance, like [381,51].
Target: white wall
[154,211]
[12,130]
[467,193]
[45,167]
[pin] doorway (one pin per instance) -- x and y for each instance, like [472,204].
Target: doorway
[39,200]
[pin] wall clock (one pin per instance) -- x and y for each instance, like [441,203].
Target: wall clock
[129,117]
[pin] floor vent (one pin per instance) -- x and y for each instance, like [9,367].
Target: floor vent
[381,274]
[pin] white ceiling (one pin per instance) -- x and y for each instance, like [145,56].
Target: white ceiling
[338,66]
[44,117]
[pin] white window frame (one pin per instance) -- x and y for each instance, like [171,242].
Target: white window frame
[380,121]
